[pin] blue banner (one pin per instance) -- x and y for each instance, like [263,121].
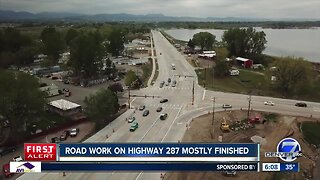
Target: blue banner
[159,150]
[149,167]
[289,167]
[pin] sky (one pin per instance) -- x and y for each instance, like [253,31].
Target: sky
[272,9]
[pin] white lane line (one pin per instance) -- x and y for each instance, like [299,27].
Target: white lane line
[171,125]
[204,94]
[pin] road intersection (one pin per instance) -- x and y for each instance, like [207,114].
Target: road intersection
[179,108]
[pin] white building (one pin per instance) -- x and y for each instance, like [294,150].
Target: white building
[64,107]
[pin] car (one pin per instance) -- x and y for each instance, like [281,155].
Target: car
[163,100]
[6,170]
[159,109]
[226,106]
[63,137]
[142,107]
[161,85]
[301,104]
[74,132]
[131,119]
[163,116]
[134,126]
[174,82]
[67,132]
[269,103]
[167,83]
[7,150]
[17,159]
[169,80]
[145,113]
[55,140]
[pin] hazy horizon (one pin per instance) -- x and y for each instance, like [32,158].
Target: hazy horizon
[271,9]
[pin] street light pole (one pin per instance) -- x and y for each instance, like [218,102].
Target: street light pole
[249,106]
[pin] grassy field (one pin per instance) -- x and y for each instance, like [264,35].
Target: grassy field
[310,131]
[246,82]
[147,70]
[156,74]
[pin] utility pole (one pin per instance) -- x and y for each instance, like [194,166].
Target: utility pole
[249,106]
[129,97]
[193,92]
[213,107]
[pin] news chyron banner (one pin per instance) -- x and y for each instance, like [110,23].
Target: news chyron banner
[159,152]
[140,157]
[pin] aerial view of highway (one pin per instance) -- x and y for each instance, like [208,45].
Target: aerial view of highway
[82,74]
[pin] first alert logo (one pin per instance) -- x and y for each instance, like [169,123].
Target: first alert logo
[40,151]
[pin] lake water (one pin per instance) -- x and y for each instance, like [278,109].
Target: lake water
[281,42]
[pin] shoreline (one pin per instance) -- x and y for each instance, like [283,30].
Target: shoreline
[314,62]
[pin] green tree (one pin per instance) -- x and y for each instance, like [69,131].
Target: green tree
[115,42]
[20,100]
[293,75]
[71,34]
[86,54]
[101,107]
[222,53]
[204,39]
[191,44]
[53,42]
[130,78]
[221,68]
[244,42]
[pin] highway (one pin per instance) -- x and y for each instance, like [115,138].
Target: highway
[179,108]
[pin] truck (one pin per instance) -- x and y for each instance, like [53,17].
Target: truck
[173,66]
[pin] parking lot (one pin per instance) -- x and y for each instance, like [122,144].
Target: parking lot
[85,128]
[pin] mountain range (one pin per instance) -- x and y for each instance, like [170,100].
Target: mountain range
[8,16]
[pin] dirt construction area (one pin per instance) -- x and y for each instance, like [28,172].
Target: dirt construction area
[272,130]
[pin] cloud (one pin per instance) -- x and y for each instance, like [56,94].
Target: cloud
[197,8]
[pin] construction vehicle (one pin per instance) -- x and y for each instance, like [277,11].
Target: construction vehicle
[224,125]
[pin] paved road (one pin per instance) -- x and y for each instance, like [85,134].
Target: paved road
[179,109]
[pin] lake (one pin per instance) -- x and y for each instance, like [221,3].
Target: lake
[281,42]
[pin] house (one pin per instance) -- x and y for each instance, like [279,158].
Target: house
[244,62]
[50,90]
[234,72]
[64,107]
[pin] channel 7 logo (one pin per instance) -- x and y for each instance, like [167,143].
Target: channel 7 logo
[288,150]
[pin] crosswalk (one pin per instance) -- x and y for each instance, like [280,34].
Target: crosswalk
[175,88]
[168,106]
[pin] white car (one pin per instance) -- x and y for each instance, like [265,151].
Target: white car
[17,159]
[131,119]
[269,103]
[225,106]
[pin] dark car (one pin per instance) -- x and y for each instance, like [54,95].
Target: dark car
[169,80]
[63,137]
[67,132]
[7,150]
[161,84]
[55,140]
[163,100]
[145,113]
[163,116]
[141,108]
[159,109]
[301,104]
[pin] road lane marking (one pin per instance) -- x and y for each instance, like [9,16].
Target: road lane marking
[204,94]
[171,125]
